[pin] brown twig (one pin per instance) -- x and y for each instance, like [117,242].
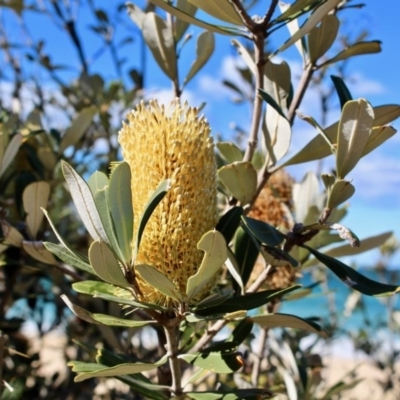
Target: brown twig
[171,329]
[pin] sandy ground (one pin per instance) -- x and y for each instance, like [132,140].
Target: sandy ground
[336,368]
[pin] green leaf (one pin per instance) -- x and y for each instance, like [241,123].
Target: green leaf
[230,152]
[311,22]
[355,126]
[10,153]
[321,38]
[214,246]
[84,203]
[217,362]
[88,370]
[287,321]
[229,223]
[153,202]
[78,127]
[34,198]
[180,25]
[212,300]
[159,37]
[353,278]
[234,270]
[246,253]
[221,9]
[103,319]
[93,287]
[277,134]
[37,250]
[342,90]
[241,331]
[277,257]
[246,302]
[121,209]
[138,382]
[340,192]
[306,198]
[317,148]
[159,281]
[69,257]
[238,394]
[166,6]
[204,49]
[355,50]
[264,232]
[240,178]
[298,8]
[347,250]
[99,186]
[106,266]
[318,127]
[271,101]
[130,302]
[378,136]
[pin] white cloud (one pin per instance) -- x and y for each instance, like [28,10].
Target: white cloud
[359,85]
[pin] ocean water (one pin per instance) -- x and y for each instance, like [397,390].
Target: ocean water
[333,302]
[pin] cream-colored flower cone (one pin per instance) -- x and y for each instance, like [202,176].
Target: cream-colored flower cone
[172,143]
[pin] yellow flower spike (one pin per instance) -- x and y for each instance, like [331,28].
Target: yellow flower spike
[175,144]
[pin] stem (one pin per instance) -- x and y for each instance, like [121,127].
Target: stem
[171,330]
[217,326]
[259,356]
[258,102]
[301,90]
[175,81]
[3,340]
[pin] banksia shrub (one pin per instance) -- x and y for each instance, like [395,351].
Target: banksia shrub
[172,143]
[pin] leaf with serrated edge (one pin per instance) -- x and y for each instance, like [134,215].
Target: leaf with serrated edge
[158,36]
[120,203]
[39,252]
[105,264]
[214,246]
[158,280]
[287,321]
[78,127]
[84,203]
[204,49]
[240,178]
[121,369]
[104,319]
[355,125]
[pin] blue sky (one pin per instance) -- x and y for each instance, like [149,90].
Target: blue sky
[376,205]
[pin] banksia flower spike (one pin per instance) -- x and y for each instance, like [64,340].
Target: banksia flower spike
[172,143]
